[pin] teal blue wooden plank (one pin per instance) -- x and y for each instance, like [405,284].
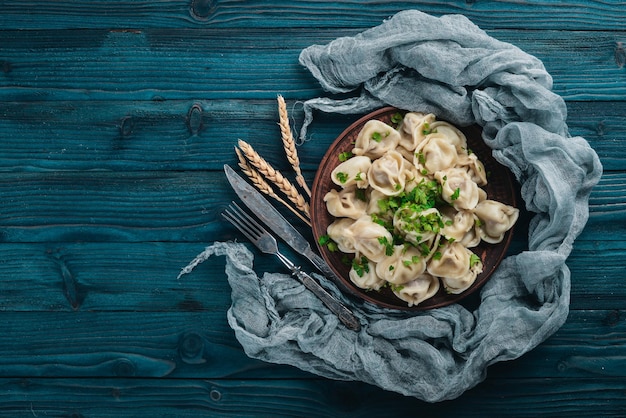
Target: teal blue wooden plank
[217,64]
[111,277]
[127,344]
[597,271]
[111,206]
[311,398]
[536,14]
[183,345]
[182,134]
[131,136]
[607,206]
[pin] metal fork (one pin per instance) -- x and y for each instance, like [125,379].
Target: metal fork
[268,245]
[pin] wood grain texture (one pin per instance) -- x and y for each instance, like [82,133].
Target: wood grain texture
[201,345]
[311,398]
[152,64]
[181,134]
[303,14]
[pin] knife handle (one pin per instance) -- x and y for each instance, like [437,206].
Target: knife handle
[336,307]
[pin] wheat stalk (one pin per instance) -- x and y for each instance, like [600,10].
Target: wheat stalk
[273,175]
[289,144]
[259,182]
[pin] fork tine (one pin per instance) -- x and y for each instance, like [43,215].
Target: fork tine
[235,218]
[253,230]
[230,217]
[254,225]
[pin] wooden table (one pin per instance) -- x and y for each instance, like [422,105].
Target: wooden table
[115,120]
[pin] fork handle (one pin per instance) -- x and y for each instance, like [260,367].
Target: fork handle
[336,307]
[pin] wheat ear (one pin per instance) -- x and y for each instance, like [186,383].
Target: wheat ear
[275,177]
[289,144]
[259,182]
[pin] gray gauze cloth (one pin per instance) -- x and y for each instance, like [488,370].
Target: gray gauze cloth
[449,67]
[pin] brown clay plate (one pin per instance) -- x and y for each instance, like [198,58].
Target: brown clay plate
[500,187]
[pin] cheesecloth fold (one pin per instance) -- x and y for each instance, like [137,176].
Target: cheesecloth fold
[450,67]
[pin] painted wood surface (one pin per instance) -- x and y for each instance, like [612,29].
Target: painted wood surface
[541,14]
[167,64]
[115,120]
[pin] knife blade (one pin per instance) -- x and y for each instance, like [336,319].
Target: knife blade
[271,217]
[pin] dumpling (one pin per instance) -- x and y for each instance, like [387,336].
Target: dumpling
[472,238]
[413,177]
[363,274]
[457,223]
[412,119]
[339,231]
[453,262]
[423,287]
[346,203]
[352,172]
[454,135]
[404,265]
[387,174]
[458,189]
[435,153]
[408,155]
[374,206]
[375,139]
[461,284]
[417,226]
[482,195]
[415,127]
[495,219]
[370,238]
[474,168]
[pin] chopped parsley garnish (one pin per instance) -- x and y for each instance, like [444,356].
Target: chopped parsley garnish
[396,287]
[377,219]
[397,117]
[342,177]
[474,259]
[454,196]
[361,266]
[388,245]
[377,137]
[326,240]
[345,156]
[360,194]
[414,260]
[426,130]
